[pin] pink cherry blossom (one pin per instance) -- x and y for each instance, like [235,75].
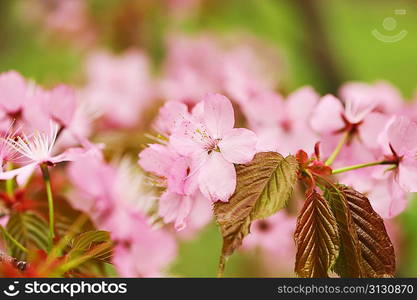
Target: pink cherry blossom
[214,146]
[35,150]
[332,118]
[176,203]
[283,125]
[400,144]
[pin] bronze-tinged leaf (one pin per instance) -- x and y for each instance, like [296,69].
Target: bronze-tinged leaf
[349,261]
[378,257]
[264,186]
[316,238]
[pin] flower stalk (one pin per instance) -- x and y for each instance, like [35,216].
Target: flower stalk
[338,148]
[360,166]
[10,183]
[47,180]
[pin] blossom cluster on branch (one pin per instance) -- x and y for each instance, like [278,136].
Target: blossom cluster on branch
[224,143]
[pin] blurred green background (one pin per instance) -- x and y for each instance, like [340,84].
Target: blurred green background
[303,31]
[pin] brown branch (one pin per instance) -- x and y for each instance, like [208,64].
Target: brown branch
[318,44]
[18,264]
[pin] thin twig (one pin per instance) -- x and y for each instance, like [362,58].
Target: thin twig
[18,264]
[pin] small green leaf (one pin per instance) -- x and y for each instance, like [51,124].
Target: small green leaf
[264,186]
[316,238]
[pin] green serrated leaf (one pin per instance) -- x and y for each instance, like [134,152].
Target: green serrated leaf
[30,230]
[316,237]
[264,186]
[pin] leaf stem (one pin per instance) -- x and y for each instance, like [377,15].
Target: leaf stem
[222,265]
[339,147]
[47,180]
[9,182]
[13,240]
[360,166]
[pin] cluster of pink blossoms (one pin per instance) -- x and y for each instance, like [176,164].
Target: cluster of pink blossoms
[42,128]
[198,141]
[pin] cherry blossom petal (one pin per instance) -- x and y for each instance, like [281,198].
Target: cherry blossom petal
[218,115]
[92,177]
[402,135]
[357,108]
[61,104]
[238,145]
[169,116]
[71,154]
[188,138]
[387,199]
[326,118]
[371,129]
[301,103]
[217,178]
[157,159]
[178,173]
[22,174]
[13,91]
[407,174]
[175,208]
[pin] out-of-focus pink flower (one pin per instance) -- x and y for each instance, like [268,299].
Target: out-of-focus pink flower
[283,125]
[353,112]
[67,16]
[13,92]
[29,107]
[186,75]
[147,254]
[237,70]
[214,146]
[36,150]
[273,236]
[385,98]
[119,87]
[182,8]
[115,198]
[247,70]
[61,105]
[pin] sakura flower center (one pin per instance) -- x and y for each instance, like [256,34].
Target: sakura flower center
[209,144]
